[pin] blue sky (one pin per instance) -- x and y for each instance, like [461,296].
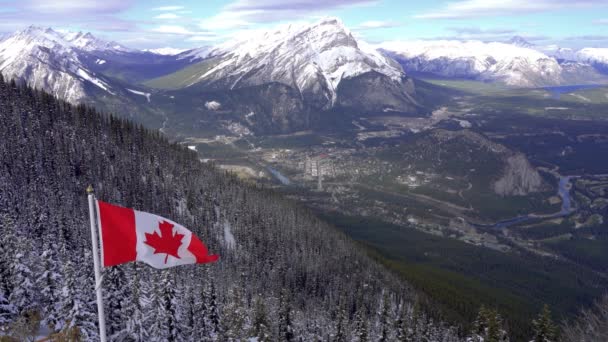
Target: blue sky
[192,23]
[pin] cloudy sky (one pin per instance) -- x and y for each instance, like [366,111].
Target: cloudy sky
[192,23]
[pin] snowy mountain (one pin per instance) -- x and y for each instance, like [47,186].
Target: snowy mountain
[306,57]
[88,42]
[504,62]
[597,57]
[49,60]
[287,76]
[166,51]
[520,41]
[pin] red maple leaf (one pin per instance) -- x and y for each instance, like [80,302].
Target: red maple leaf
[167,242]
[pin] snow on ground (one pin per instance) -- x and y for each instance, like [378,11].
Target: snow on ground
[192,147]
[213,105]
[578,96]
[100,61]
[556,108]
[464,123]
[166,51]
[82,73]
[228,237]
[147,95]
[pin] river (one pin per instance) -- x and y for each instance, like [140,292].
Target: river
[556,92]
[279,176]
[563,191]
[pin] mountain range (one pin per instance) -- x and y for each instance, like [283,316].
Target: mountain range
[294,77]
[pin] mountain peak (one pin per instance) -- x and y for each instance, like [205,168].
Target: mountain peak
[520,41]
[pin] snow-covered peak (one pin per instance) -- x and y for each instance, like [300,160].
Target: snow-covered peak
[593,55]
[462,49]
[318,36]
[88,42]
[301,55]
[520,41]
[507,63]
[45,59]
[166,51]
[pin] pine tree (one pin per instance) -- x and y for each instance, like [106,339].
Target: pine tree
[136,325]
[7,309]
[544,329]
[340,330]
[286,331]
[116,294]
[261,326]
[384,320]
[488,327]
[361,332]
[75,304]
[49,284]
[402,327]
[23,295]
[213,312]
[234,317]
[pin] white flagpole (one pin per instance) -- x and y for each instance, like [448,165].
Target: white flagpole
[98,279]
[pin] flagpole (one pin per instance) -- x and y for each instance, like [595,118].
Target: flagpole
[98,279]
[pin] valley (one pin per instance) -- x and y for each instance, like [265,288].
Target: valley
[387,175]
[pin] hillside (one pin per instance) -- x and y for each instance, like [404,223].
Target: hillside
[283,273]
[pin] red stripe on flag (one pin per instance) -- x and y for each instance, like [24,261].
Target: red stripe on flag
[198,248]
[118,237]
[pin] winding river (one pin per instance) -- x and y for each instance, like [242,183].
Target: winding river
[279,176]
[563,191]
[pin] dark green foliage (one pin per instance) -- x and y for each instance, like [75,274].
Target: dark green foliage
[544,329]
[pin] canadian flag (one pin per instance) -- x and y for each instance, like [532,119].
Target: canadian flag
[131,235]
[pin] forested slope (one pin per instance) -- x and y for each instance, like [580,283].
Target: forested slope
[283,274]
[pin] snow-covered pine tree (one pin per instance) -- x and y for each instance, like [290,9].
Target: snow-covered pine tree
[212,317]
[116,292]
[361,331]
[24,293]
[402,325]
[164,320]
[544,329]
[136,325]
[285,323]
[234,317]
[75,305]
[49,284]
[340,332]
[384,320]
[260,326]
[187,312]
[7,309]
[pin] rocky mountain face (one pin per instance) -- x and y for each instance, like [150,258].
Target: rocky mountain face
[52,61]
[515,62]
[519,178]
[312,59]
[322,66]
[474,157]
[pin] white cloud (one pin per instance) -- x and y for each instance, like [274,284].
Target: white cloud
[480,8]
[168,8]
[202,38]
[243,13]
[173,29]
[167,16]
[376,24]
[224,21]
